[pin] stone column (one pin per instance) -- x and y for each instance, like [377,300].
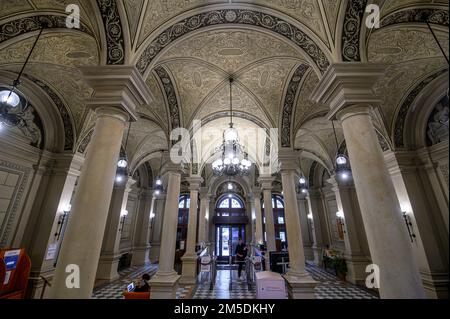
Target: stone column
[347,89]
[141,247]
[357,255]
[266,186]
[110,253]
[303,211]
[204,209]
[189,270]
[318,224]
[300,283]
[118,90]
[259,238]
[164,283]
[157,222]
[47,231]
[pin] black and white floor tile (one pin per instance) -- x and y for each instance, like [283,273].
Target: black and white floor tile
[114,290]
[329,287]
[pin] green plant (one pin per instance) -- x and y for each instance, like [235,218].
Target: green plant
[339,264]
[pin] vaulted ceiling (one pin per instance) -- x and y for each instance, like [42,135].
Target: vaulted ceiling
[277,50]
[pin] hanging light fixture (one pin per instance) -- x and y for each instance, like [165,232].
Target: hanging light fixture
[13,103]
[234,160]
[158,182]
[342,167]
[122,163]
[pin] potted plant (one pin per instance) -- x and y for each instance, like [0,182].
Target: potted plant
[340,266]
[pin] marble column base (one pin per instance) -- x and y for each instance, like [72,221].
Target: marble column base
[154,252]
[189,273]
[164,286]
[356,266]
[140,256]
[107,269]
[300,286]
[435,284]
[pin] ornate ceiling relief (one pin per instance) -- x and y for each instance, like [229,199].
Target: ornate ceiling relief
[233,16]
[114,33]
[12,7]
[352,30]
[157,108]
[305,11]
[134,11]
[400,44]
[289,102]
[171,97]
[331,8]
[399,129]
[158,12]
[194,83]
[20,26]
[243,102]
[305,108]
[434,16]
[398,79]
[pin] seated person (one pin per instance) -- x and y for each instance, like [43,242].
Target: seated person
[144,287]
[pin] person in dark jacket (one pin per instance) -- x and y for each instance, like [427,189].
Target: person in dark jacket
[145,287]
[241,253]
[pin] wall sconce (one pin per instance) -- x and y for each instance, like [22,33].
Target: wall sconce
[340,220]
[409,226]
[62,219]
[123,215]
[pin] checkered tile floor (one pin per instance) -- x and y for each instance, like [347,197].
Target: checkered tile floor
[329,287]
[114,290]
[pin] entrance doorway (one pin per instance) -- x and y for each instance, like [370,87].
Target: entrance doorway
[227,237]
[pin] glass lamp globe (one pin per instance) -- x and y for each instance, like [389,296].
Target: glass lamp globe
[124,213]
[339,215]
[122,163]
[10,98]
[230,186]
[302,180]
[235,161]
[227,161]
[341,160]
[158,182]
[230,135]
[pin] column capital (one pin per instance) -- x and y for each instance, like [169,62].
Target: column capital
[266,182]
[288,159]
[194,182]
[119,87]
[347,84]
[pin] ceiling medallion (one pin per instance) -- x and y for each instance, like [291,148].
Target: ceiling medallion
[234,160]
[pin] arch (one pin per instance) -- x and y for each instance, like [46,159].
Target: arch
[48,111]
[244,17]
[398,131]
[416,121]
[231,200]
[352,30]
[290,100]
[21,26]
[115,42]
[416,15]
[170,96]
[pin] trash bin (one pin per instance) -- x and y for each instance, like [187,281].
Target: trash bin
[270,285]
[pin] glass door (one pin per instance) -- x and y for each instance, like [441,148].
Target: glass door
[227,238]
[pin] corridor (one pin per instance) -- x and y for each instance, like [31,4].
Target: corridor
[329,287]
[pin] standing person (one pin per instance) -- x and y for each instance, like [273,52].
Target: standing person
[241,253]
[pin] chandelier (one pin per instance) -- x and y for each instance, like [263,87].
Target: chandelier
[13,103]
[233,160]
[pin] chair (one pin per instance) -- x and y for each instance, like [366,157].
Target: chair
[136,295]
